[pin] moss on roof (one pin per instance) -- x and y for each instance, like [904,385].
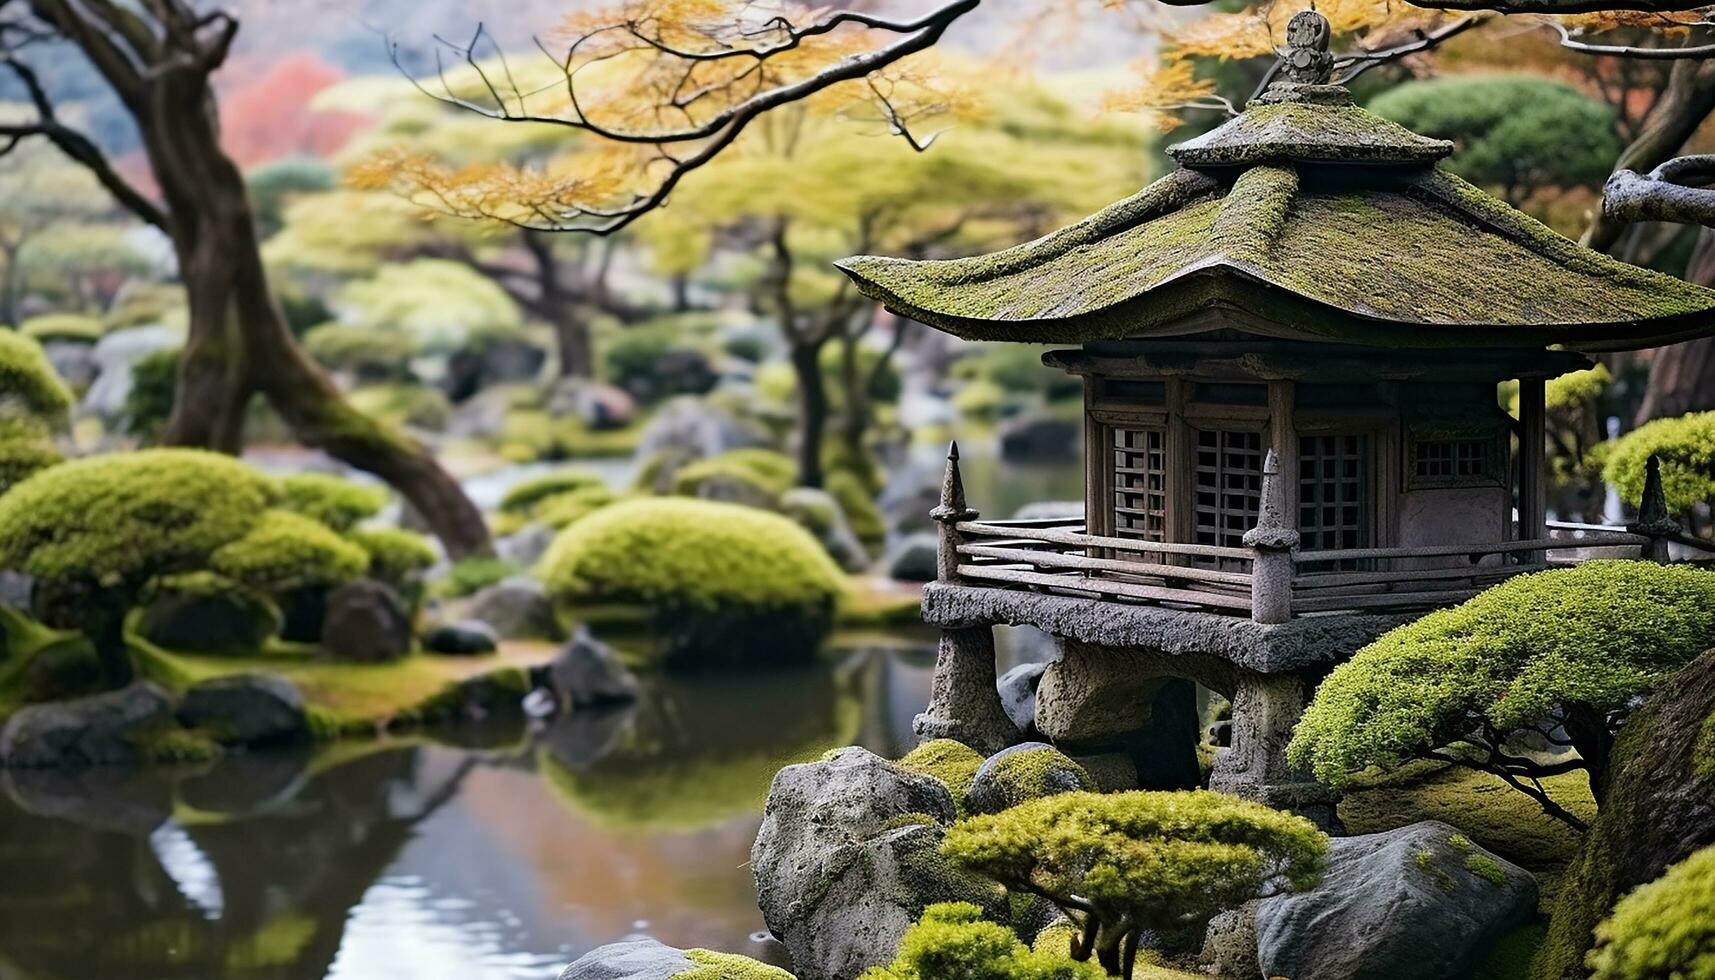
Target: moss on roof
[1284,131]
[1424,249]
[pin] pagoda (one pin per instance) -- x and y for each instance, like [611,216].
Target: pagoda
[1290,348]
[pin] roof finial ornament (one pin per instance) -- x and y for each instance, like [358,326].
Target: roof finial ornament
[1306,69]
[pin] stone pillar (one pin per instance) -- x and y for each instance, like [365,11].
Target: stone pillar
[1273,540]
[963,702]
[1653,521]
[1265,707]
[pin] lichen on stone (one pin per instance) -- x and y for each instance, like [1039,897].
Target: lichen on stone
[952,762]
[712,965]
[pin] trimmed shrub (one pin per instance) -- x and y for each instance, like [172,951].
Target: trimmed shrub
[28,382]
[562,511]
[522,498]
[24,450]
[718,577]
[1581,642]
[154,386]
[333,500]
[416,405]
[1122,863]
[952,941]
[767,472]
[1686,446]
[69,327]
[472,575]
[1665,929]
[286,551]
[396,556]
[373,353]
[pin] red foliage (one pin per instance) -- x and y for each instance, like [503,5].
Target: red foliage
[267,115]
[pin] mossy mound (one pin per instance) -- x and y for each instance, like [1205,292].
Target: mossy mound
[1664,929]
[952,939]
[24,451]
[471,575]
[1025,772]
[28,381]
[523,497]
[335,501]
[63,327]
[286,551]
[764,472]
[724,583]
[728,966]
[396,556]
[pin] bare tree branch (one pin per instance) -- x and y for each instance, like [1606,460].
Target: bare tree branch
[1677,191]
[1570,43]
[1560,6]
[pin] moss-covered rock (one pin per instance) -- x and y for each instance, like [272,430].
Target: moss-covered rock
[954,763]
[711,965]
[202,612]
[1025,772]
[335,501]
[749,476]
[1664,929]
[1655,813]
[727,582]
[524,496]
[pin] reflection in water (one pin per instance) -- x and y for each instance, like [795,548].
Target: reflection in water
[424,860]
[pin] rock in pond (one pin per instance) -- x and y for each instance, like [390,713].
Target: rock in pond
[517,609]
[366,622]
[1041,437]
[246,709]
[847,858]
[1417,903]
[1024,772]
[98,730]
[912,559]
[467,637]
[646,959]
[587,673]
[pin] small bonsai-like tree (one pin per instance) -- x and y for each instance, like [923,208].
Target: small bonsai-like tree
[1686,446]
[97,532]
[1664,929]
[1559,655]
[1121,863]
[953,940]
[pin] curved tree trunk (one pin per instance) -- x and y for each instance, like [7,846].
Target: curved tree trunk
[239,345]
[1682,377]
[1686,102]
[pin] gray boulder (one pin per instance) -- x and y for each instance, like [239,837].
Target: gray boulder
[819,513]
[98,730]
[114,356]
[587,673]
[73,360]
[1024,772]
[912,559]
[1418,903]
[630,959]
[1018,695]
[690,427]
[231,620]
[526,547]
[467,637]
[847,858]
[366,622]
[246,709]
[517,609]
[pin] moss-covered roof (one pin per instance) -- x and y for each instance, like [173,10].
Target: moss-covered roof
[1268,216]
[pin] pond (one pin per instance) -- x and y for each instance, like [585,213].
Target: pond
[491,852]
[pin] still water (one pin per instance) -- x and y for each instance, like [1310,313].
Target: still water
[464,855]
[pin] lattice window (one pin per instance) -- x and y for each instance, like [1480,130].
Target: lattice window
[1333,492]
[1452,460]
[1228,483]
[1140,483]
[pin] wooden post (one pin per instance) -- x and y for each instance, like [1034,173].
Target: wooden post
[1653,520]
[1274,539]
[947,516]
[1532,491]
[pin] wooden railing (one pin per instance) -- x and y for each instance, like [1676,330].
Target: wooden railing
[1270,579]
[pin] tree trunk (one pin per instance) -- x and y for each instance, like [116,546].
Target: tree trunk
[1688,100]
[855,415]
[238,343]
[103,616]
[812,411]
[571,331]
[1590,735]
[9,288]
[1682,377]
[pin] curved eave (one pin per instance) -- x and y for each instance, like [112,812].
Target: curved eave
[1246,299]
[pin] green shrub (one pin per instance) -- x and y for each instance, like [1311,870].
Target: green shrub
[563,510]
[396,556]
[1686,446]
[769,473]
[980,401]
[953,942]
[1120,863]
[1587,640]
[1018,367]
[952,762]
[285,551]
[28,384]
[523,498]
[369,352]
[333,500]
[1664,930]
[1576,389]
[472,575]
[71,327]
[714,574]
[24,450]
[419,406]
[154,386]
